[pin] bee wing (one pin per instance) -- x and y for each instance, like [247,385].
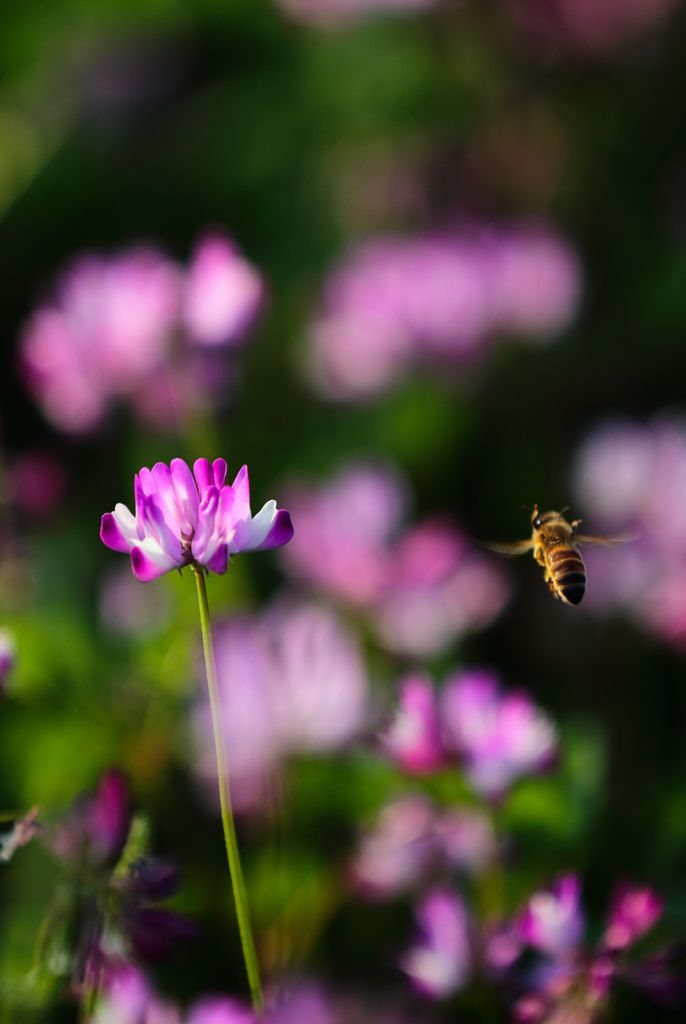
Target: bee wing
[516,547]
[582,538]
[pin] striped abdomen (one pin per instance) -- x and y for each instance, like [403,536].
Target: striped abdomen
[567,572]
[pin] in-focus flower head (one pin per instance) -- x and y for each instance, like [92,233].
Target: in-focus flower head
[500,736]
[179,522]
[439,963]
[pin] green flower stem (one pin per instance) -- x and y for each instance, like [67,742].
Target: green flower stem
[239,893]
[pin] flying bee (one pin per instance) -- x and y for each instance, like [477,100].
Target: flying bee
[554,544]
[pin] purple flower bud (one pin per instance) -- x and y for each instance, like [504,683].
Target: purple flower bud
[634,911]
[155,932]
[552,921]
[108,816]
[152,879]
[440,962]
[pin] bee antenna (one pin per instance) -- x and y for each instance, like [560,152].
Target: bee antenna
[565,509]
[527,509]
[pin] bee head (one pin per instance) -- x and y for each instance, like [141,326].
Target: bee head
[539,520]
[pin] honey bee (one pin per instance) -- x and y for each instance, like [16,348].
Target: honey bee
[554,544]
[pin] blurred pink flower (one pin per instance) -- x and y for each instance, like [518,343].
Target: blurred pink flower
[587,27]
[344,531]
[552,921]
[631,479]
[222,292]
[500,736]
[304,1002]
[106,330]
[440,589]
[570,982]
[292,681]
[128,998]
[394,301]
[536,283]
[413,740]
[634,911]
[397,853]
[467,839]
[136,326]
[412,838]
[219,1010]
[421,590]
[439,964]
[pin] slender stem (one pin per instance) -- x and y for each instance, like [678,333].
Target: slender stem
[239,893]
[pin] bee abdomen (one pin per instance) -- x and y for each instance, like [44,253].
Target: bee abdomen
[569,572]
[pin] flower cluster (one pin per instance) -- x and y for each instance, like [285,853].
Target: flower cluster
[497,736]
[114,908]
[396,301]
[293,680]
[129,998]
[631,479]
[587,27]
[182,521]
[137,326]
[422,588]
[565,981]
[412,838]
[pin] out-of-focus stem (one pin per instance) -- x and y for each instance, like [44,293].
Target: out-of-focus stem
[239,893]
